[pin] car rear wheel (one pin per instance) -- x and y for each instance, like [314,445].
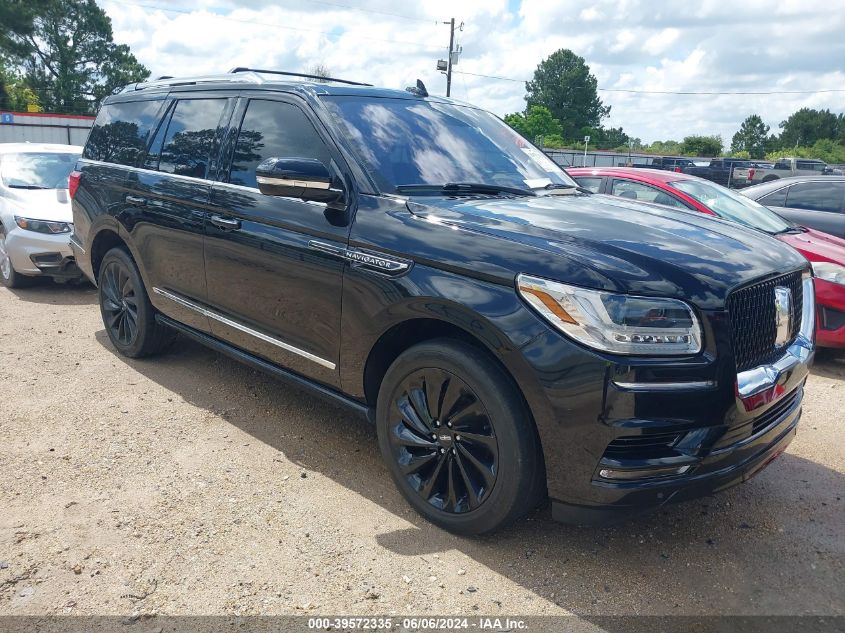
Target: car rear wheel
[458,439]
[9,277]
[127,313]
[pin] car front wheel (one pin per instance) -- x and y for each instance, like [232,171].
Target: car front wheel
[9,277]
[458,439]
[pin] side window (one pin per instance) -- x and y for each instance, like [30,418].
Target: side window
[191,137]
[154,153]
[120,132]
[782,164]
[645,193]
[816,196]
[775,199]
[593,184]
[273,129]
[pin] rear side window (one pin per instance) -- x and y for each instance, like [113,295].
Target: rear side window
[272,129]
[192,137]
[593,184]
[816,196]
[774,199]
[645,193]
[120,132]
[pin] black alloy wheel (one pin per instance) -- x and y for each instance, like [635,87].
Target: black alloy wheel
[458,438]
[443,441]
[128,315]
[120,303]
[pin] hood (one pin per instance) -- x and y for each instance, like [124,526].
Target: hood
[619,245]
[817,246]
[41,204]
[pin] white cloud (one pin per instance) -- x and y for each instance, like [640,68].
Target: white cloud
[630,44]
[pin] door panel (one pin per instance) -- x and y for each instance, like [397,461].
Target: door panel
[167,203]
[279,296]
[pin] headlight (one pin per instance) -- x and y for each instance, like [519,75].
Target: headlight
[42,226]
[621,324]
[829,272]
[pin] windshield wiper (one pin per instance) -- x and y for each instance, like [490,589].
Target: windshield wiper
[463,187]
[552,186]
[25,187]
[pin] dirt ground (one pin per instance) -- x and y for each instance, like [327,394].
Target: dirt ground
[190,484]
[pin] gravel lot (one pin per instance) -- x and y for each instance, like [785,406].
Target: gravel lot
[190,484]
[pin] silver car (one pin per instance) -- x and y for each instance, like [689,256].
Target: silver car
[35,212]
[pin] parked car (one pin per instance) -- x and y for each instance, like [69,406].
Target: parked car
[420,263]
[35,212]
[723,171]
[784,168]
[826,252]
[669,163]
[815,202]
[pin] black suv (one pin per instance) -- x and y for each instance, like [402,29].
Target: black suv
[512,336]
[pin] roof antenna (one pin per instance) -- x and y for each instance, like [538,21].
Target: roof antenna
[418,90]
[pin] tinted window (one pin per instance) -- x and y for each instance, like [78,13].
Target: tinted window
[191,137]
[810,165]
[120,132]
[644,193]
[816,196]
[774,199]
[154,153]
[593,184]
[272,129]
[782,164]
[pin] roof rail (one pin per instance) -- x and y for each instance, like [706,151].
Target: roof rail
[243,69]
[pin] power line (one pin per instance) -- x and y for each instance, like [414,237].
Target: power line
[394,15]
[257,23]
[674,92]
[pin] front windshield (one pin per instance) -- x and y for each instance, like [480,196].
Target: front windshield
[37,170]
[732,206]
[416,142]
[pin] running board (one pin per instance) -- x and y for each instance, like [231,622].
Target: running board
[292,378]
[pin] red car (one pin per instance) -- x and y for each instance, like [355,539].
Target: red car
[825,252]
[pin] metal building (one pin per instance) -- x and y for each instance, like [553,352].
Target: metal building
[42,127]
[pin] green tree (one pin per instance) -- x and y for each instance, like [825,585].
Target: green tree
[563,84]
[663,148]
[751,137]
[65,51]
[702,145]
[537,124]
[806,126]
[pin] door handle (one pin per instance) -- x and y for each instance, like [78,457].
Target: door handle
[136,200]
[227,224]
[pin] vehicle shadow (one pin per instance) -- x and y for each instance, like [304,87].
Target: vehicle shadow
[771,546]
[829,363]
[48,292]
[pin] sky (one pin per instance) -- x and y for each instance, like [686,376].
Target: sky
[642,45]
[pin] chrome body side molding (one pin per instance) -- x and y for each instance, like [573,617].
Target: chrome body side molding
[211,314]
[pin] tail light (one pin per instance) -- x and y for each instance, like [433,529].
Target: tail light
[73,182]
[677,169]
[750,175]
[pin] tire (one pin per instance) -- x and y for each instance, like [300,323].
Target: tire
[128,315]
[9,277]
[458,439]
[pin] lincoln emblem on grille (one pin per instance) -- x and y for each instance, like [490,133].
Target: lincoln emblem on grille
[783,315]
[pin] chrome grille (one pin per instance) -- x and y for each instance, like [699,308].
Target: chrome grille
[752,316]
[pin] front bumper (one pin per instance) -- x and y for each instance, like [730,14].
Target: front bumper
[633,435]
[830,302]
[34,253]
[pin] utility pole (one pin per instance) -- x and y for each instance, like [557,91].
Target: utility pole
[451,45]
[445,66]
